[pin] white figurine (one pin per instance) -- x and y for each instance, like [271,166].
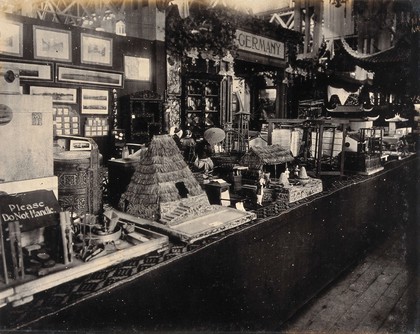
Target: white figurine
[260,188]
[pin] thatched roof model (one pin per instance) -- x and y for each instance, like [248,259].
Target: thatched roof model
[157,179]
[258,156]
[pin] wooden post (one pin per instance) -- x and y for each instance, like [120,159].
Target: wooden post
[319,157]
[3,254]
[16,249]
[64,239]
[343,145]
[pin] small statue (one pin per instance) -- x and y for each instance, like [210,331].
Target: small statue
[303,177]
[260,187]
[296,171]
[284,180]
[287,173]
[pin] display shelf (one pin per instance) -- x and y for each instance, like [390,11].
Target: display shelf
[201,98]
[141,116]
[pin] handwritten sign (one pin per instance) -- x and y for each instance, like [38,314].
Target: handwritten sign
[32,209]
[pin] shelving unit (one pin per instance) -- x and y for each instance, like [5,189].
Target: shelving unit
[201,104]
[141,116]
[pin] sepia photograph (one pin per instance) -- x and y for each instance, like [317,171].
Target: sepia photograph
[96,50]
[95,101]
[66,95]
[87,76]
[214,166]
[52,44]
[11,38]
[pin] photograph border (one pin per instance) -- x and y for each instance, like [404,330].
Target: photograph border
[63,36]
[98,95]
[106,59]
[79,75]
[44,70]
[135,73]
[6,26]
[54,92]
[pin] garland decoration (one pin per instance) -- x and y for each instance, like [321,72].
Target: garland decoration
[212,32]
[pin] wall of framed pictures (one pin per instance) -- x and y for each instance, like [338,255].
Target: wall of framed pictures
[79,68]
[64,55]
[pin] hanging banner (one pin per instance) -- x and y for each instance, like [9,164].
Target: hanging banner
[259,44]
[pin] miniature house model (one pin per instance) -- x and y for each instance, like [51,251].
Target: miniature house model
[164,192]
[163,188]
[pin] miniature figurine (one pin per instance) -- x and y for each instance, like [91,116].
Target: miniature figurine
[203,162]
[296,171]
[188,146]
[284,180]
[260,187]
[176,135]
[303,177]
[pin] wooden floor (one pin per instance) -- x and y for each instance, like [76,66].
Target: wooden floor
[379,295]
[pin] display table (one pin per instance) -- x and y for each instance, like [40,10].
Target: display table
[249,279]
[120,172]
[297,192]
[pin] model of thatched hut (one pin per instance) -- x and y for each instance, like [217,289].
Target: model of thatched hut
[258,157]
[163,188]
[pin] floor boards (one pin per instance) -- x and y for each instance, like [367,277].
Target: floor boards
[377,296]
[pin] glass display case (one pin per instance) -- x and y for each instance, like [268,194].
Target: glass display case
[201,105]
[141,116]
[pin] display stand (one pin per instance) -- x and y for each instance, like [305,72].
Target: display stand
[78,175]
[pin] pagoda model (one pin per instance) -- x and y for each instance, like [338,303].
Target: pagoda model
[162,187]
[393,123]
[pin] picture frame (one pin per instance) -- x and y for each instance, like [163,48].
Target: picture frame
[52,44]
[11,38]
[61,95]
[137,68]
[80,145]
[95,101]
[96,50]
[80,75]
[30,71]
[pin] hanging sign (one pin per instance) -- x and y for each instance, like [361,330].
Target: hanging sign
[259,44]
[32,209]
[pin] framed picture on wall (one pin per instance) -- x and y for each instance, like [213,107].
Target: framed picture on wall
[95,101]
[63,95]
[137,68]
[30,71]
[80,75]
[96,50]
[11,38]
[52,44]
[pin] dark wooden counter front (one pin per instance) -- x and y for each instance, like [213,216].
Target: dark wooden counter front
[257,277]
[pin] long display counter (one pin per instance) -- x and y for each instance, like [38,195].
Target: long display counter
[254,277]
